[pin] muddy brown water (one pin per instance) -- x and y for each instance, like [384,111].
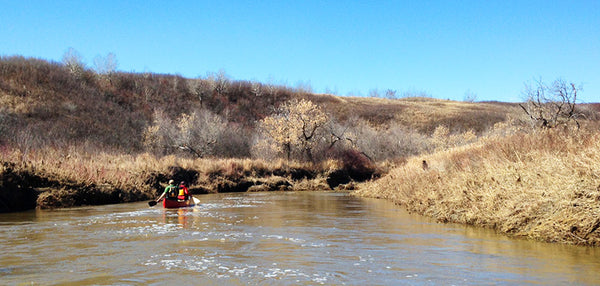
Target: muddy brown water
[295,238]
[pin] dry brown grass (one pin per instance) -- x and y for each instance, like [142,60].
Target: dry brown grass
[121,171]
[68,174]
[541,185]
[421,114]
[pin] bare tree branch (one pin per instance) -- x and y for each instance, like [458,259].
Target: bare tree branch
[551,106]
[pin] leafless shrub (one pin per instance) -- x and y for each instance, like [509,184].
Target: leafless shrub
[219,82]
[5,123]
[200,131]
[106,65]
[340,136]
[416,93]
[388,93]
[374,93]
[196,133]
[381,143]
[549,106]
[272,89]
[234,142]
[257,89]
[262,147]
[391,94]
[470,96]
[73,61]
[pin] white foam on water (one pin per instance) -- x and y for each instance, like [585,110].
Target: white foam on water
[151,228]
[284,238]
[212,267]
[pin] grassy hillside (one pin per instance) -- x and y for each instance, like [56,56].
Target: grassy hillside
[421,114]
[42,100]
[46,104]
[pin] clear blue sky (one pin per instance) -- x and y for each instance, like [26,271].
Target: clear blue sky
[445,48]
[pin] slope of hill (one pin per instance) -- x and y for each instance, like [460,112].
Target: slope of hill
[421,114]
[46,103]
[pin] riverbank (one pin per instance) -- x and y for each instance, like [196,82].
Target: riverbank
[53,179]
[543,185]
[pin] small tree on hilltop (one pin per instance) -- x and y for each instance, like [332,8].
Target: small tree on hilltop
[550,106]
[73,61]
[297,125]
[106,65]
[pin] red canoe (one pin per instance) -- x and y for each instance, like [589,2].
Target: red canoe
[169,204]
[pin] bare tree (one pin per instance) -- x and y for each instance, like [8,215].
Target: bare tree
[160,137]
[415,93]
[4,123]
[379,144]
[341,134]
[73,61]
[106,65]
[346,136]
[201,88]
[219,82]
[196,133]
[257,89]
[390,94]
[297,125]
[470,96]
[549,106]
[271,88]
[199,132]
[374,93]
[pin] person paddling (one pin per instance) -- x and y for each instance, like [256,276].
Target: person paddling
[176,194]
[167,189]
[184,193]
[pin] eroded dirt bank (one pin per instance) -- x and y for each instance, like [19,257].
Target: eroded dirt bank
[22,189]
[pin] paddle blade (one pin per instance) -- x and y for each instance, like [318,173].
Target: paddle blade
[152,203]
[196,201]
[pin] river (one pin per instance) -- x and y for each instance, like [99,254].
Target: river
[277,238]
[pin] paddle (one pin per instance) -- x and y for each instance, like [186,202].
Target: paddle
[152,203]
[196,201]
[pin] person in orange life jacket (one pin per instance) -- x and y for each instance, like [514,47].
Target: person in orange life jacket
[167,189]
[184,193]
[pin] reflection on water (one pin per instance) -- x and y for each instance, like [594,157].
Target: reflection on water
[299,238]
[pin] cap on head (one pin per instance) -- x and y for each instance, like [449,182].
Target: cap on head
[171,182]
